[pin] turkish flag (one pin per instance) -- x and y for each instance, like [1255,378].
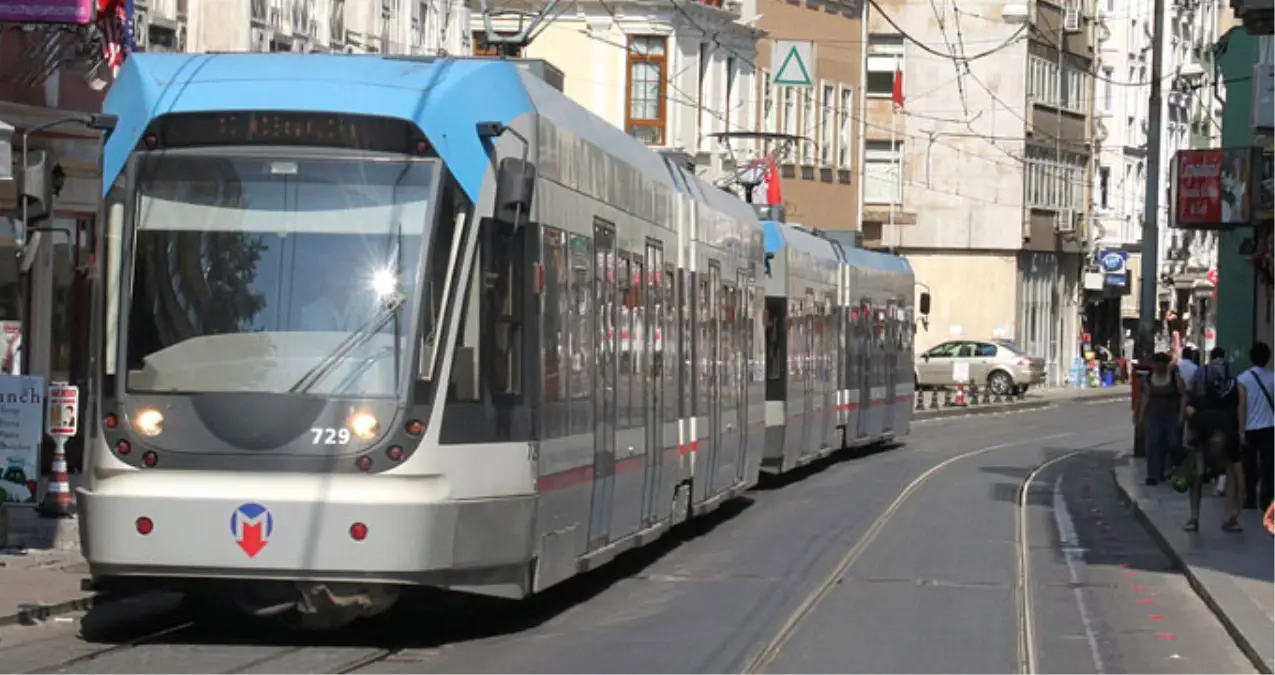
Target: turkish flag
[896,96]
[774,192]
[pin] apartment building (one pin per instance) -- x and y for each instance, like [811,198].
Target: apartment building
[1191,117]
[1121,122]
[670,73]
[990,151]
[819,174]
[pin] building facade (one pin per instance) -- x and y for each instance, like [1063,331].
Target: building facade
[1121,122]
[990,163]
[1190,118]
[820,172]
[670,74]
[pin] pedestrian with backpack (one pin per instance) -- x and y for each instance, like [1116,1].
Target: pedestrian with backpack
[1259,434]
[1218,411]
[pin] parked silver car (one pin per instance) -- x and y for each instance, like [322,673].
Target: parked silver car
[997,364]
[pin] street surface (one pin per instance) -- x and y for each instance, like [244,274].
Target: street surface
[910,560]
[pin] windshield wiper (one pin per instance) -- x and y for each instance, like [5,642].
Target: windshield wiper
[355,340]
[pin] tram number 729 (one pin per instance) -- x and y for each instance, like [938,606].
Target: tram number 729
[330,436]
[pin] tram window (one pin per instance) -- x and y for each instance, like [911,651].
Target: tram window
[704,343]
[671,346]
[624,340]
[555,376]
[607,394]
[729,349]
[776,338]
[580,333]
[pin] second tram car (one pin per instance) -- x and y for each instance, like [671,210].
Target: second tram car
[371,323]
[839,325]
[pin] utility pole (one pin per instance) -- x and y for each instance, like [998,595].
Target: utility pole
[1147,306]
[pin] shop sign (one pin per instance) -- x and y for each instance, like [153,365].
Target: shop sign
[21,430]
[1113,261]
[1211,188]
[79,12]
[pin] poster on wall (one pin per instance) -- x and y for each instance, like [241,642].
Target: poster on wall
[1211,188]
[21,429]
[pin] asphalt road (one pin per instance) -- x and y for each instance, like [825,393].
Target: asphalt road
[907,560]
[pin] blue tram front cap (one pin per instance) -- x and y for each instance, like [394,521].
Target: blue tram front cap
[446,98]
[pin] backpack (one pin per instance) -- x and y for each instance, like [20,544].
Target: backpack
[1213,385]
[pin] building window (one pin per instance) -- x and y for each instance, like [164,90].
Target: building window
[482,48]
[882,162]
[885,56]
[843,127]
[1104,187]
[731,76]
[646,86]
[808,125]
[789,99]
[1055,180]
[828,135]
[1049,85]
[770,123]
[1108,89]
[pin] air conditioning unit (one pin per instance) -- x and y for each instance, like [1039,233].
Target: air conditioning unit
[1071,18]
[1065,221]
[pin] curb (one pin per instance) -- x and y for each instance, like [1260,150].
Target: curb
[987,409]
[1241,640]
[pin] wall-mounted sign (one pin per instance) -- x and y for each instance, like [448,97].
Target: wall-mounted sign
[78,12]
[1211,188]
[1113,261]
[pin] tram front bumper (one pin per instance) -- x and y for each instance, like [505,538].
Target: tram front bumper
[295,526]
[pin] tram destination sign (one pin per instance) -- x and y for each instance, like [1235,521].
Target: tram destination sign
[312,129]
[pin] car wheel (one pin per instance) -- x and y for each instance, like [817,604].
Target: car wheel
[1000,383]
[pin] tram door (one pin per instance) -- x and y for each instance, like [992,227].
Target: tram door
[604,383]
[713,352]
[866,357]
[742,327]
[653,372]
[891,357]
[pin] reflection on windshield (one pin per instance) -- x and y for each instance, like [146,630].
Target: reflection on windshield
[250,272]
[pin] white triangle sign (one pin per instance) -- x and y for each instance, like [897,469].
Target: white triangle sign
[790,62]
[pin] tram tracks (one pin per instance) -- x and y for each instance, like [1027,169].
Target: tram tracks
[348,659]
[362,652]
[1027,647]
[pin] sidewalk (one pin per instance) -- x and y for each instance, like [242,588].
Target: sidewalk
[1035,398]
[1232,573]
[40,568]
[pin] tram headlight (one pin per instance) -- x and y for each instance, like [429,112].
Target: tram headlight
[149,422]
[365,426]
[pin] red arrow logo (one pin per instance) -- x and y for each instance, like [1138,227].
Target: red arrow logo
[252,541]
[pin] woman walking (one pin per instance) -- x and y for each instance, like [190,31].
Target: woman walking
[1161,409]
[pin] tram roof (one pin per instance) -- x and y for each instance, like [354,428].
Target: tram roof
[782,235]
[445,97]
[779,235]
[885,262]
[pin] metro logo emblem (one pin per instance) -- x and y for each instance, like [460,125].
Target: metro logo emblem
[251,525]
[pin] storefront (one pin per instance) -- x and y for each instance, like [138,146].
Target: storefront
[1107,284]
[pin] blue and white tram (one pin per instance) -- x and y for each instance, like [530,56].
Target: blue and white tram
[839,328]
[373,323]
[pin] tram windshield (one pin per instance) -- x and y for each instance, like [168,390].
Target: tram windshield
[255,273]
